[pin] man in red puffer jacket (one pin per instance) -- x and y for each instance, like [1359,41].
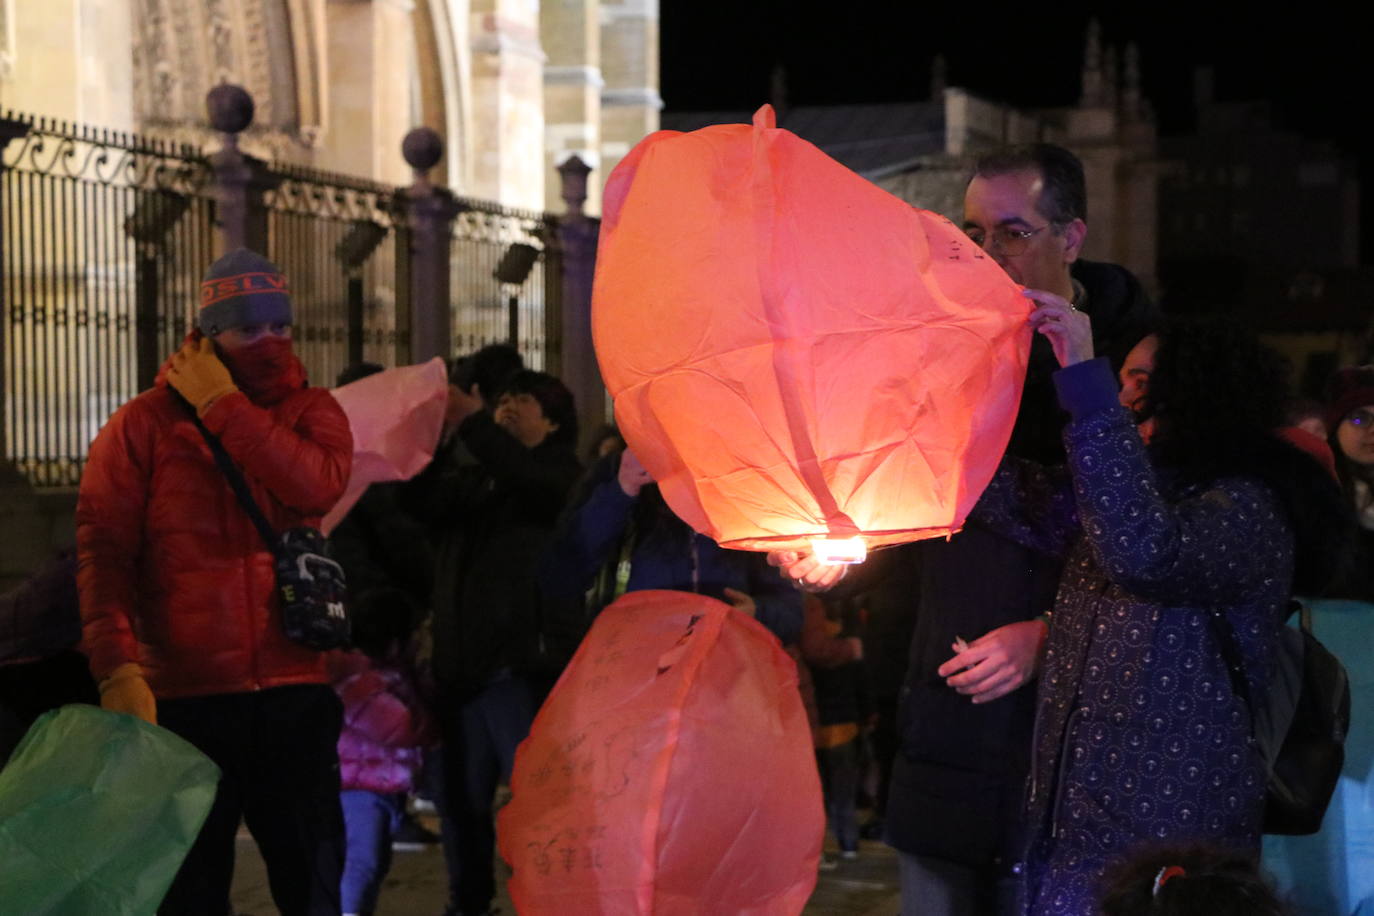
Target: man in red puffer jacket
[181,619]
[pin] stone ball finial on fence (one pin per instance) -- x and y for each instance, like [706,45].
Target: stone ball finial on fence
[230,108]
[422,149]
[573,172]
[239,181]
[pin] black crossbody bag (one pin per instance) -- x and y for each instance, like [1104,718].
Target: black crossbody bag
[310,582]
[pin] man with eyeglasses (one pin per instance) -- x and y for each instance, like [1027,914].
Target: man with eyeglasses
[1026,206]
[963,728]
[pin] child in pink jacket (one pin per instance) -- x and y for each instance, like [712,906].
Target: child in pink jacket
[386,727]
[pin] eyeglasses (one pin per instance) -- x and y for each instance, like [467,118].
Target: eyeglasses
[1010,242]
[1363,419]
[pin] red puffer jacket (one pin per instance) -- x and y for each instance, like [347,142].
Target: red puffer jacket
[172,573]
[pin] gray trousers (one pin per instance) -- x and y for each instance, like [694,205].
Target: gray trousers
[938,887]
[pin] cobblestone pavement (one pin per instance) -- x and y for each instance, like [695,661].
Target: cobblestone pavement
[416,885]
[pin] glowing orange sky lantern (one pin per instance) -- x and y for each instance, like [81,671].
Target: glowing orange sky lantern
[795,353]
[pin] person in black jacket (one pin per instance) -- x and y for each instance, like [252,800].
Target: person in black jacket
[41,666]
[492,496]
[956,785]
[378,543]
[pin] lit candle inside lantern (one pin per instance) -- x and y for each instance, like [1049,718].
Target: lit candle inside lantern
[835,551]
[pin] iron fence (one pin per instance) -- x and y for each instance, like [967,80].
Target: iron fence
[341,242]
[335,239]
[500,267]
[105,236]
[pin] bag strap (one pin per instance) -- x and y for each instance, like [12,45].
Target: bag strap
[1230,648]
[1230,654]
[238,484]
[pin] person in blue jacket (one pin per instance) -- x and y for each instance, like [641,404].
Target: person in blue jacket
[1140,739]
[620,536]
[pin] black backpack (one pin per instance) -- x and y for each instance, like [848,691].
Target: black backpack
[1301,729]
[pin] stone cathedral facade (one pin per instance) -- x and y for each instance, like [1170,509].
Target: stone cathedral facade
[514,87]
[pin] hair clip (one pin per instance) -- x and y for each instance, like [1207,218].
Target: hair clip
[1165,873]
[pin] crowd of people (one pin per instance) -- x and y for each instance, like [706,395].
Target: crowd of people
[1039,710]
[1120,567]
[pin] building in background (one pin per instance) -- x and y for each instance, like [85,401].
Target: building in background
[1263,224]
[513,87]
[113,204]
[1236,216]
[922,151]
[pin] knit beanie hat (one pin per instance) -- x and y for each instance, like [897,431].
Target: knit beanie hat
[242,288]
[1347,390]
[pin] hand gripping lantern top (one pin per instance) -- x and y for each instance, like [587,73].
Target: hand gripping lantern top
[794,353]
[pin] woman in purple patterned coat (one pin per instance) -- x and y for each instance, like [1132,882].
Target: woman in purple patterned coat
[1139,739]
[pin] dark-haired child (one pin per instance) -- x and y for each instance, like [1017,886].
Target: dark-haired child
[1189,881]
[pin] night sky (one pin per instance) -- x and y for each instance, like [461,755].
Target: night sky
[1314,67]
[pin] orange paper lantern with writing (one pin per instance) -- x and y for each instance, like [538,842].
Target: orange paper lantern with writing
[794,353]
[670,772]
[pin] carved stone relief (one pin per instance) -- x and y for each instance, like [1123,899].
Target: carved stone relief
[6,38]
[182,48]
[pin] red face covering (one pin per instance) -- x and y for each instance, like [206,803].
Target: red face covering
[266,370]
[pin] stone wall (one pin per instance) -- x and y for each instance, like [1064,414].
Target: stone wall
[572,92]
[630,102]
[32,525]
[513,87]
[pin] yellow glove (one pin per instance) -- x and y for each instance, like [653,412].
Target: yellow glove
[126,691]
[198,375]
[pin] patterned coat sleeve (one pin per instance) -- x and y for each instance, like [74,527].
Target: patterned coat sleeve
[1194,551]
[1030,504]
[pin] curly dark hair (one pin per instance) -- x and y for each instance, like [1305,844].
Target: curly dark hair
[488,368]
[1219,395]
[1214,882]
[1215,390]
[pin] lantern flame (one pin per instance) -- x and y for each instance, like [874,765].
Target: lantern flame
[834,551]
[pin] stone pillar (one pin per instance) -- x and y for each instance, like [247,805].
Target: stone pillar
[507,103]
[429,215]
[630,103]
[241,181]
[571,34]
[1138,249]
[577,235]
[371,43]
[1101,169]
[68,59]
[6,46]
